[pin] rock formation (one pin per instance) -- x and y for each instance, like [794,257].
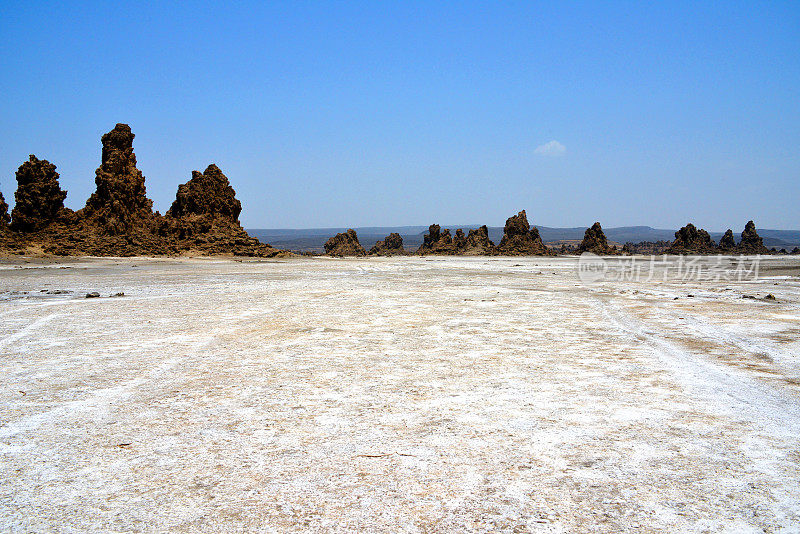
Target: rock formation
[796,250]
[4,217]
[751,242]
[120,204]
[594,241]
[477,243]
[519,239]
[690,240]
[646,247]
[39,200]
[344,244]
[208,195]
[118,219]
[392,245]
[437,241]
[726,242]
[204,218]
[459,240]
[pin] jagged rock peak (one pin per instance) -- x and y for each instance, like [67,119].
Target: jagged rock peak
[390,246]
[437,241]
[208,193]
[519,239]
[120,203]
[434,232]
[690,240]
[727,242]
[344,244]
[517,225]
[39,200]
[479,237]
[477,242]
[5,218]
[594,240]
[459,240]
[751,242]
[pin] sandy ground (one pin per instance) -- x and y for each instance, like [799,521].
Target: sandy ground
[395,395]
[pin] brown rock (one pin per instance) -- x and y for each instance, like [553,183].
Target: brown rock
[207,194]
[437,241]
[519,239]
[459,240]
[392,245]
[690,240]
[751,242]
[118,218]
[120,204]
[594,241]
[647,247]
[4,217]
[205,218]
[39,200]
[726,242]
[344,244]
[477,243]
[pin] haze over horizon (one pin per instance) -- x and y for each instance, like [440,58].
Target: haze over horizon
[330,115]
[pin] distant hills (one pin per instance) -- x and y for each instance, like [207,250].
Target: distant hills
[313,239]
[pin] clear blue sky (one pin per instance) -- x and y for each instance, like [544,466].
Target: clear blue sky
[376,113]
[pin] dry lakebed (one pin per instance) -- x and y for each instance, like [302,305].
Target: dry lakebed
[408,394]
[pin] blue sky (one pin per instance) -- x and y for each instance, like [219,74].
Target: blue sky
[377,113]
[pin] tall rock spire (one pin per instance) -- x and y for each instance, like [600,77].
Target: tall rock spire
[519,239]
[120,203]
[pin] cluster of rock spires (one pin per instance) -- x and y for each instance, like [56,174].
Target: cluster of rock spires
[520,239]
[475,243]
[690,240]
[118,218]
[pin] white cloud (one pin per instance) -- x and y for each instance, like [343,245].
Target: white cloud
[552,149]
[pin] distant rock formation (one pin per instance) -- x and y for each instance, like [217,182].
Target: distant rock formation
[646,247]
[344,244]
[726,242]
[751,242]
[477,243]
[437,241]
[459,240]
[39,200]
[5,218]
[519,239]
[594,241]
[204,218]
[392,245]
[120,204]
[690,240]
[796,250]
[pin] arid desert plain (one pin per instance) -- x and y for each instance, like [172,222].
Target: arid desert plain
[423,394]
